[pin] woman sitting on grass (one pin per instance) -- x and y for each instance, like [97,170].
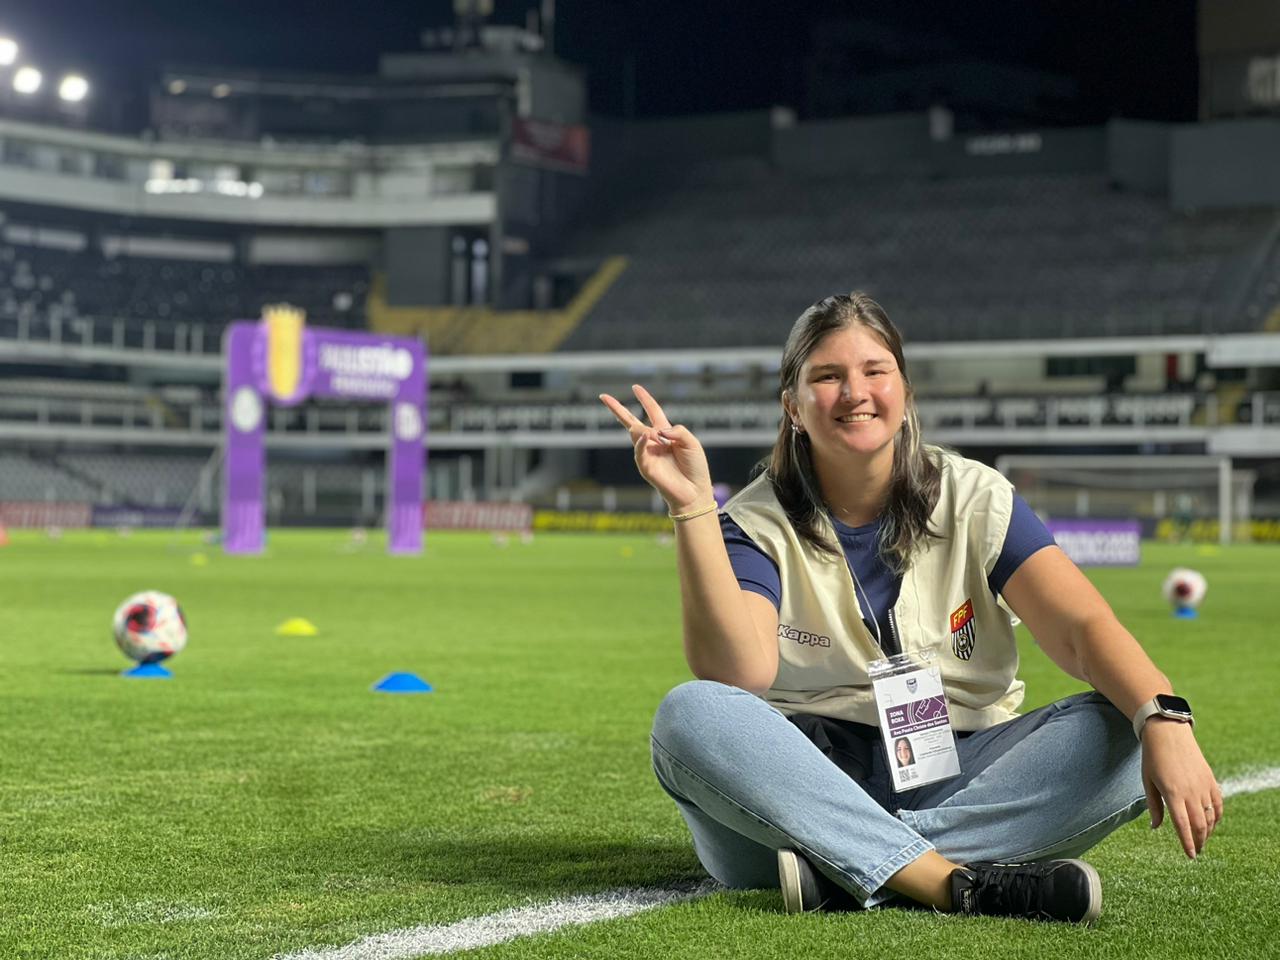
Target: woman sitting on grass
[857,543]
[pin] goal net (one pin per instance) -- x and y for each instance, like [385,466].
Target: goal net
[1172,497]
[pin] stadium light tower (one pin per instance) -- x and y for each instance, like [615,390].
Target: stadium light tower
[471,15]
[73,88]
[8,52]
[27,80]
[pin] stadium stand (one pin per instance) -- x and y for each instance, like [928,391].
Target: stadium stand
[24,478]
[730,255]
[174,480]
[1262,302]
[155,480]
[42,288]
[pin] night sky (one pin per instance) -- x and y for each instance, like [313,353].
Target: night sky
[1132,58]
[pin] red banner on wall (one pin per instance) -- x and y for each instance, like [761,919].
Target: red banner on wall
[477,515]
[42,513]
[553,146]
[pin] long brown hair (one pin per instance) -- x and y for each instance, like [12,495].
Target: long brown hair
[915,481]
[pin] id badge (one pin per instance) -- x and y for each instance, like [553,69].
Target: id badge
[914,724]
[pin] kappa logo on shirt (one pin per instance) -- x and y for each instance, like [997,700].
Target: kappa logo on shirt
[963,635]
[787,632]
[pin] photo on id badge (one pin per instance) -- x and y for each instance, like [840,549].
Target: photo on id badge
[905,756]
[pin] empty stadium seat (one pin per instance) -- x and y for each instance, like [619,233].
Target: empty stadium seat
[51,291]
[731,260]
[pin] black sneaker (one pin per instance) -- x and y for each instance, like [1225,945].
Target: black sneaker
[803,888]
[1067,890]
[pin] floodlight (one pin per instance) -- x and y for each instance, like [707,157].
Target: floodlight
[8,52]
[27,80]
[73,88]
[177,87]
[221,90]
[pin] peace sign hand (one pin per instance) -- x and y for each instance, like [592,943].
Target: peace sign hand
[670,459]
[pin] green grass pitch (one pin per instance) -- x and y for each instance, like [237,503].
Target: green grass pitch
[265,801]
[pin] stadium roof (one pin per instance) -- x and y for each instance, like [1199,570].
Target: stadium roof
[654,57]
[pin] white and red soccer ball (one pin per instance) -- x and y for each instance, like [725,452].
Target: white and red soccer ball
[149,627]
[1184,588]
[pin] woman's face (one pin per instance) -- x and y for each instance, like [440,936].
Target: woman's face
[904,752]
[850,396]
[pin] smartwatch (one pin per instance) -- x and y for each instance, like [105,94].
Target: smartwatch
[1162,705]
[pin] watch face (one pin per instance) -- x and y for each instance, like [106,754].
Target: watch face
[1168,702]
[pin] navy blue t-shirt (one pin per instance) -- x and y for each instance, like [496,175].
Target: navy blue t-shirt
[757,572]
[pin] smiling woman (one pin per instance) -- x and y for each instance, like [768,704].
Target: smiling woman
[848,616]
[851,440]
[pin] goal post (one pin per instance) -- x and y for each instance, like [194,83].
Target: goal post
[1184,489]
[281,361]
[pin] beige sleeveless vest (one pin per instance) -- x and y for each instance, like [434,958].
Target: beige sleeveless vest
[945,605]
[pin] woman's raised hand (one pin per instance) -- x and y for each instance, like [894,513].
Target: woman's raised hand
[669,458]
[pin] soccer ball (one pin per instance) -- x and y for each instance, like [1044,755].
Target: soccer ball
[1184,588]
[149,627]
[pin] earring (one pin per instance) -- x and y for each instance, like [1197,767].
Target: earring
[795,428]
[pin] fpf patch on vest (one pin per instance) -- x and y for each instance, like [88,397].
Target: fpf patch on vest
[963,634]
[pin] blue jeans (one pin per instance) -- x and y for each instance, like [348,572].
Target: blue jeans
[1048,784]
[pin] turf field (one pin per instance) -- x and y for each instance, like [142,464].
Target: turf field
[264,802]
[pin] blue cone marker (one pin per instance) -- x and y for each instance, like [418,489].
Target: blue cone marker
[402,683]
[148,671]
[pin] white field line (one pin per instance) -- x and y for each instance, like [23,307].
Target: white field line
[544,918]
[499,927]
[1252,782]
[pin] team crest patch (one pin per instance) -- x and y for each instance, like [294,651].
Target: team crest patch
[962,631]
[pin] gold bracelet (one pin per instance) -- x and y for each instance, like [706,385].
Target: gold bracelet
[692,513]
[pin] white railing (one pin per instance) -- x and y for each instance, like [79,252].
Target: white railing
[1060,414]
[198,418]
[111,334]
